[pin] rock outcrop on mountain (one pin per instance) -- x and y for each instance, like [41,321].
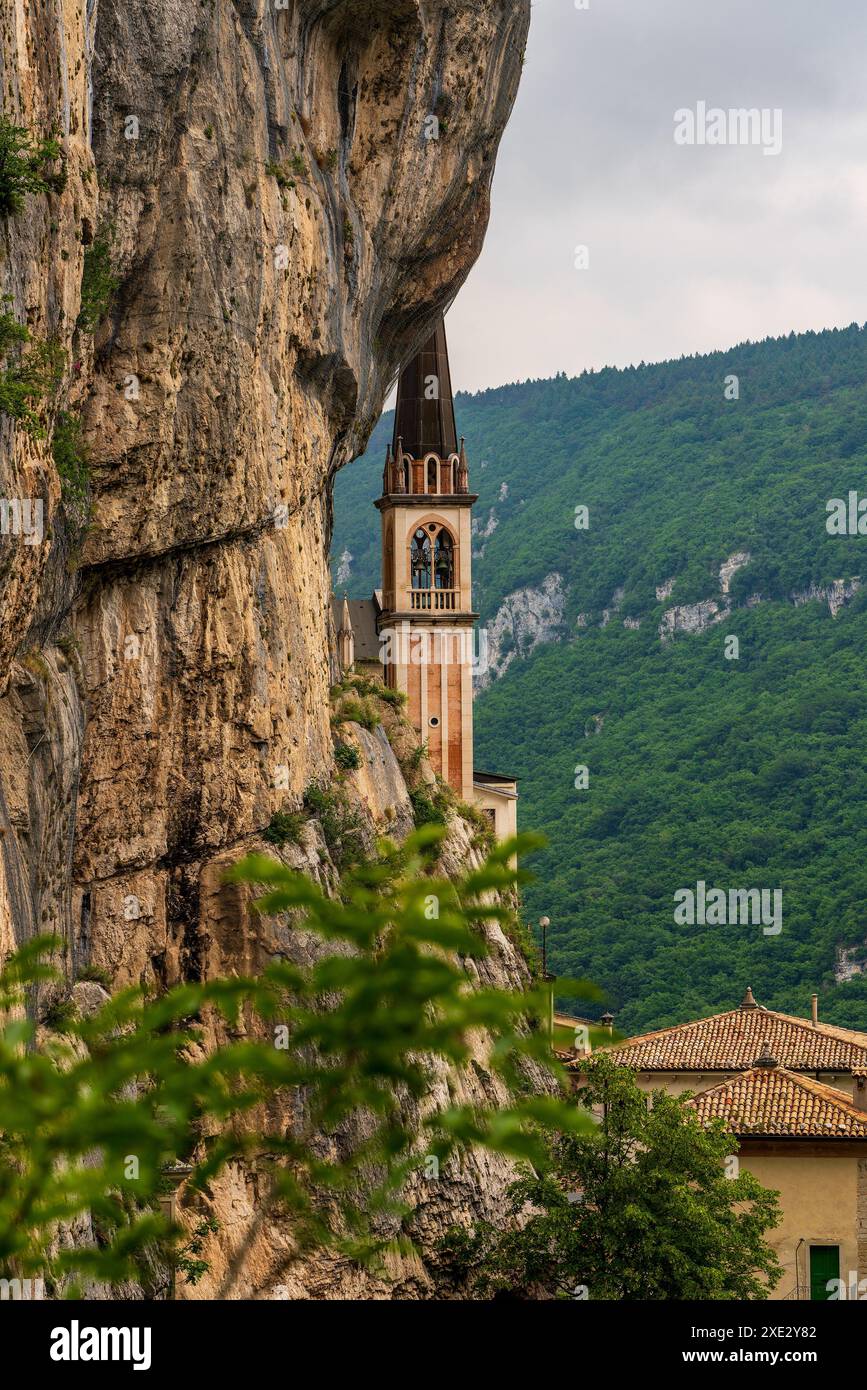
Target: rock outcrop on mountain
[286,197]
[524,621]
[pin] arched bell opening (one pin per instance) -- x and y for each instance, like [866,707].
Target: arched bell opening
[433,567]
[420,560]
[444,561]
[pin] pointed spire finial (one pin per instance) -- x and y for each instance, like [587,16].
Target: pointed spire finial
[425,411]
[748,1002]
[463,469]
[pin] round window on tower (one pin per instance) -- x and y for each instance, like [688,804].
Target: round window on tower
[434,722]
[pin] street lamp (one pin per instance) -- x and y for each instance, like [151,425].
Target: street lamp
[544,924]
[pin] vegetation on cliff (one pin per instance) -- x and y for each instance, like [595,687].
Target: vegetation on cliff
[29,372]
[26,165]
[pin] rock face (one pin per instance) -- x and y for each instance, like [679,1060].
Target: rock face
[691,617]
[523,622]
[43,67]
[849,962]
[729,568]
[836,594]
[289,195]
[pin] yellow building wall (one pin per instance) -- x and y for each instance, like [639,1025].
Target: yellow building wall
[504,808]
[819,1201]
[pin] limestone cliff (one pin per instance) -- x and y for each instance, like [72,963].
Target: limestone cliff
[288,193]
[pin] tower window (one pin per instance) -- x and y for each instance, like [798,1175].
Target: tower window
[444,561]
[431,475]
[420,561]
[434,722]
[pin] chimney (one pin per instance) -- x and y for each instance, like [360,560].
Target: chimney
[766,1058]
[814,1009]
[607,1022]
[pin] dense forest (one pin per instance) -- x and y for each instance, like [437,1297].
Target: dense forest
[742,768]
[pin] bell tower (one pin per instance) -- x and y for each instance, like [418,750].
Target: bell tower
[426,621]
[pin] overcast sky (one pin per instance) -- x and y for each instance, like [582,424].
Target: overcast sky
[690,247]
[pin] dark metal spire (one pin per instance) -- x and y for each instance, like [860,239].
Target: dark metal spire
[425,414]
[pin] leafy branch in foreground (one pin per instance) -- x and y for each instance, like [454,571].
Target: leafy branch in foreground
[90,1121]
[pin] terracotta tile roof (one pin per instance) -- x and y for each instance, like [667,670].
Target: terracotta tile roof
[732,1041]
[776,1103]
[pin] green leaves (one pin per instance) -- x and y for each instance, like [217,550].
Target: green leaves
[25,161]
[29,372]
[345,1048]
[98,282]
[70,456]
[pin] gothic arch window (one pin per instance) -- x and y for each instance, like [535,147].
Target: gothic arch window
[444,561]
[432,485]
[420,560]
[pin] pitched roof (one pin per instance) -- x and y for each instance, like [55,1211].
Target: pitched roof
[772,1102]
[732,1041]
[363,613]
[425,419]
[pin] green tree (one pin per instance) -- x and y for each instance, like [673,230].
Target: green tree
[24,161]
[639,1209]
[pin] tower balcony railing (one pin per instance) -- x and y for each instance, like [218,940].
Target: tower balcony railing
[434,600]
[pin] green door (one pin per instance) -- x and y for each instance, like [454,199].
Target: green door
[824,1266]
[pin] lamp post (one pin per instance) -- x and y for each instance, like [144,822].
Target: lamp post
[544,924]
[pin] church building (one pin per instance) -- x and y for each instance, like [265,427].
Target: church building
[419,628]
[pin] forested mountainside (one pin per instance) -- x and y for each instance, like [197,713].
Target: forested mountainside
[742,765]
